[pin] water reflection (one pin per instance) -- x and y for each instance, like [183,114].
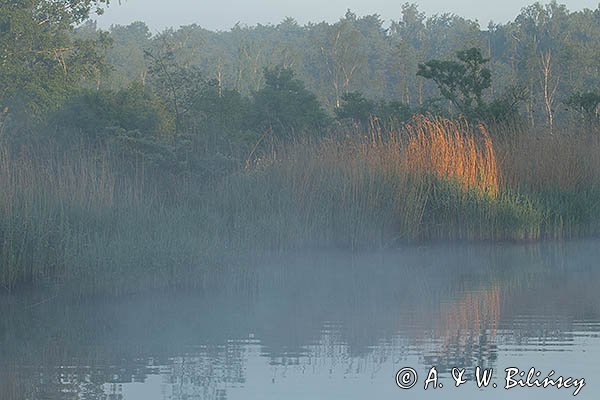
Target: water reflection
[317,326]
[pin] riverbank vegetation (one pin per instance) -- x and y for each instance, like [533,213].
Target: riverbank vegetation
[123,176]
[106,224]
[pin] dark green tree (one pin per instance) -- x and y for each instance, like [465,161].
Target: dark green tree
[587,104]
[359,109]
[394,110]
[285,107]
[40,61]
[218,119]
[94,114]
[356,107]
[172,80]
[462,82]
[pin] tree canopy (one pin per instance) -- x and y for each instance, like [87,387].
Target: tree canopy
[40,58]
[462,82]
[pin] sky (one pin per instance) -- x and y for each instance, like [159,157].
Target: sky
[224,14]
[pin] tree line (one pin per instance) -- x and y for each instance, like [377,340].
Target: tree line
[547,53]
[189,94]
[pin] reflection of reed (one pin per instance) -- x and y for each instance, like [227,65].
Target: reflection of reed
[474,313]
[18,383]
[468,327]
[337,315]
[207,374]
[331,354]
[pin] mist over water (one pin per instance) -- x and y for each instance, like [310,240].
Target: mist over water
[232,211]
[320,326]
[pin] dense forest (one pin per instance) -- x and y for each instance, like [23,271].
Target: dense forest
[547,54]
[225,86]
[131,155]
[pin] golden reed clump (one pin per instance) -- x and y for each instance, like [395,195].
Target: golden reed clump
[454,150]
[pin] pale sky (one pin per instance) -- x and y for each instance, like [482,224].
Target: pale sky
[224,14]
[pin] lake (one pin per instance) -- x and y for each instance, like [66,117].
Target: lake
[323,325]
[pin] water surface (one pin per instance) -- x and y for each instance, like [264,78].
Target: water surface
[321,326]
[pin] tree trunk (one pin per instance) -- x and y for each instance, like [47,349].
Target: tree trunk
[550,86]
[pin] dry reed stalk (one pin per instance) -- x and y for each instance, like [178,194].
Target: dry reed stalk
[563,161]
[453,150]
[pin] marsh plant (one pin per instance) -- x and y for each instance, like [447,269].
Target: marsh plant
[88,217]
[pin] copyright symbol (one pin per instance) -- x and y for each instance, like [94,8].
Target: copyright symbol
[406,378]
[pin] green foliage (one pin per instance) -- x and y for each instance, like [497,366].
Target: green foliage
[587,104]
[218,110]
[356,107]
[92,114]
[40,61]
[506,108]
[358,54]
[394,110]
[285,107]
[174,82]
[463,81]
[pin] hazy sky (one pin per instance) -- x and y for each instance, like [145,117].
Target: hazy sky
[223,14]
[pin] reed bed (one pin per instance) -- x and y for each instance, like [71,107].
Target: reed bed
[560,173]
[432,179]
[84,218]
[453,150]
[79,217]
[539,162]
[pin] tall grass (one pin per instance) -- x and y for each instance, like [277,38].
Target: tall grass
[561,174]
[453,150]
[84,218]
[80,217]
[432,179]
[342,194]
[563,161]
